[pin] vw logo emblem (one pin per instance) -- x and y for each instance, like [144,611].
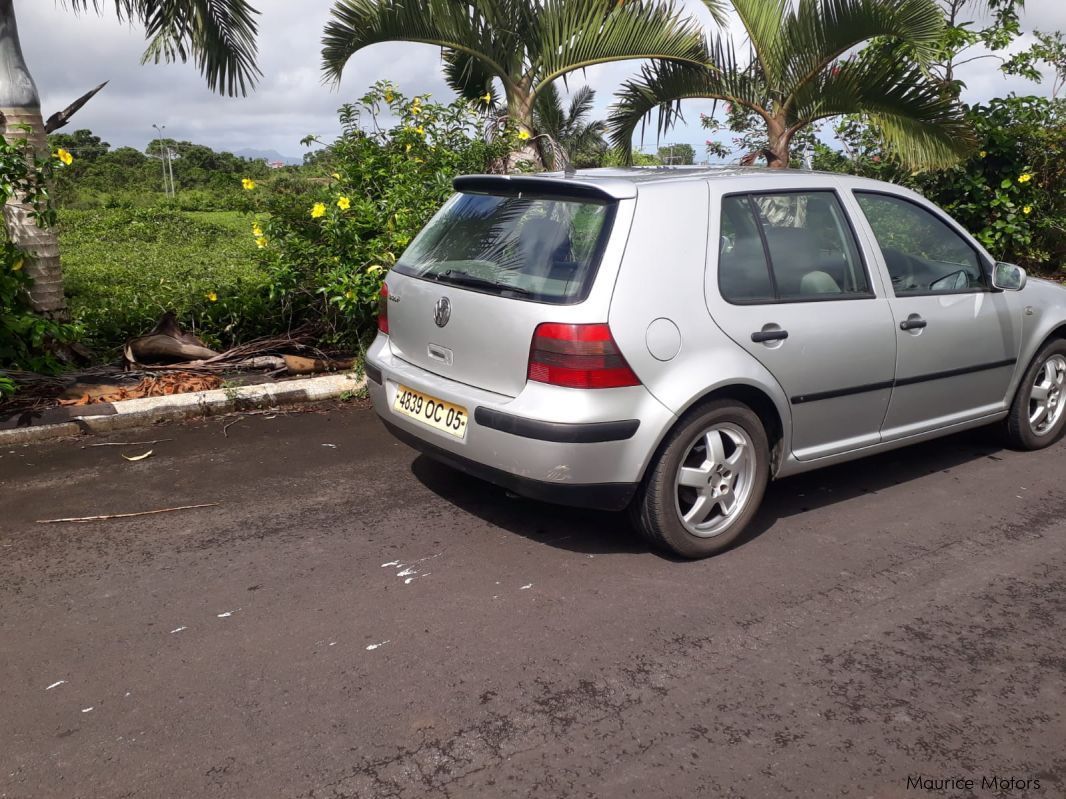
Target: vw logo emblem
[442,311]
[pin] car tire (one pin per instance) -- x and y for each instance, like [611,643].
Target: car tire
[1035,422]
[695,473]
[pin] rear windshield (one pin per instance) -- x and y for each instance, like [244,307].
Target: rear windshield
[544,249]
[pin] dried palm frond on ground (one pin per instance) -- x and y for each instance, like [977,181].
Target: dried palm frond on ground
[152,386]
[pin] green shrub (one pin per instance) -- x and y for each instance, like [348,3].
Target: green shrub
[125,267]
[327,240]
[27,341]
[1011,194]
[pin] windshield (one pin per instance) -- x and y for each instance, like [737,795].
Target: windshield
[529,247]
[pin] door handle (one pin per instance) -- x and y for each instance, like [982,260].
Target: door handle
[912,322]
[762,336]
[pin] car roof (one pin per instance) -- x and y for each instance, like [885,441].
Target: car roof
[624,182]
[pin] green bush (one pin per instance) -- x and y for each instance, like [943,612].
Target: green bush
[125,267]
[327,240]
[27,341]
[1011,194]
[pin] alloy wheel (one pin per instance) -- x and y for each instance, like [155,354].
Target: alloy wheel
[714,481]
[1046,397]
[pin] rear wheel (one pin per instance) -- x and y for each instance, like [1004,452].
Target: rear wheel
[706,483]
[1036,418]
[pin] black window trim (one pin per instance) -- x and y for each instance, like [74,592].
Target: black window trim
[777,300]
[983,263]
[595,258]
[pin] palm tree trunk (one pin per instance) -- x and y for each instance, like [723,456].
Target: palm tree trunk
[778,153]
[20,118]
[520,111]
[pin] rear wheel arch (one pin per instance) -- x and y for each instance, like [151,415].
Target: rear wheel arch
[753,397]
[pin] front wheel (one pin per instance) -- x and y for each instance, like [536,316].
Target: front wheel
[706,483]
[1036,419]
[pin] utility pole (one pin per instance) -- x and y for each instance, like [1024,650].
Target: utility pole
[170,166]
[163,157]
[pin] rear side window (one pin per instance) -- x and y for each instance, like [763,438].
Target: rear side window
[788,247]
[538,248]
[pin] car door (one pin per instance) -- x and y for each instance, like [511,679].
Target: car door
[791,288]
[957,340]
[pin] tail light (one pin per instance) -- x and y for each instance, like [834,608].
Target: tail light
[578,356]
[383,309]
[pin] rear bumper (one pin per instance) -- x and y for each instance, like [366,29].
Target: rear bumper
[573,447]
[603,496]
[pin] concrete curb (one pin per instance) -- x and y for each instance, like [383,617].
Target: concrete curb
[140,412]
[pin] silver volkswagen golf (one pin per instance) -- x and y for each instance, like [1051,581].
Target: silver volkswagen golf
[669,340]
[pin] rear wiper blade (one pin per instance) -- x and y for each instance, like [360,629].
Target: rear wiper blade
[465,279]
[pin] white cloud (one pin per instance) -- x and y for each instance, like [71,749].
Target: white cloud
[69,54]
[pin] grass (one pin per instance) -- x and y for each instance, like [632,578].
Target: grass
[125,267]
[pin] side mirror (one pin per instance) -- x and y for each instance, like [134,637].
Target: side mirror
[1008,277]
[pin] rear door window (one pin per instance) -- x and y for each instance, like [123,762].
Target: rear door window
[788,247]
[545,249]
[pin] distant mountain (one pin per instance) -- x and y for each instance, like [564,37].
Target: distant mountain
[267,155]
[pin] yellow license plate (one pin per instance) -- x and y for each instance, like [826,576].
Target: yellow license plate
[436,413]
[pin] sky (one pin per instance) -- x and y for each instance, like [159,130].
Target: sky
[68,55]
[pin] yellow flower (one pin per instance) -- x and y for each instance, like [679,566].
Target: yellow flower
[336,175]
[211,296]
[1028,209]
[421,131]
[523,135]
[257,231]
[486,98]
[389,96]
[317,210]
[983,153]
[1025,177]
[18,265]
[261,242]
[407,148]
[344,203]
[64,156]
[248,184]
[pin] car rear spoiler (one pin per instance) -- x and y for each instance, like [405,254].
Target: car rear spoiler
[599,189]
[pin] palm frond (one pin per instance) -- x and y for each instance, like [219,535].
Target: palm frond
[548,114]
[663,85]
[568,35]
[763,21]
[467,26]
[922,124]
[220,35]
[581,104]
[818,32]
[469,77]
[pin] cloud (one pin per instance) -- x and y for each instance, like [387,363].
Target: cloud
[69,54]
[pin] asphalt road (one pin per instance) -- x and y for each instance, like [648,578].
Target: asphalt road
[355,621]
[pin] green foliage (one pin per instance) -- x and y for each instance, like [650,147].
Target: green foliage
[101,177]
[523,44]
[569,130]
[797,74]
[677,154]
[1011,194]
[27,341]
[1050,49]
[327,241]
[125,267]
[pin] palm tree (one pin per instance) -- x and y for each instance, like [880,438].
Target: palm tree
[219,34]
[525,44]
[798,74]
[579,143]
